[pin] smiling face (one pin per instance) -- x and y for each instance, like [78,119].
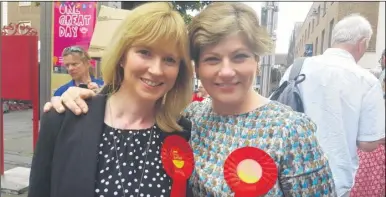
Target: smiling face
[150,72]
[227,69]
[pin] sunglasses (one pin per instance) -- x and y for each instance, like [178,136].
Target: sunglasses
[73,49]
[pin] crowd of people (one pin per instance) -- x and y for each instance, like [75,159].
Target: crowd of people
[105,139]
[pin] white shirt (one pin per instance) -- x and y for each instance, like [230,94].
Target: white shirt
[346,103]
[382,79]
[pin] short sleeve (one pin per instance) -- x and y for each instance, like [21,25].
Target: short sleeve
[304,168]
[61,90]
[100,82]
[372,115]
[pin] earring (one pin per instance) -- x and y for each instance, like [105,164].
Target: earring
[164,99]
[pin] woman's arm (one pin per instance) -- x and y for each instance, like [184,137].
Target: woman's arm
[40,176]
[304,169]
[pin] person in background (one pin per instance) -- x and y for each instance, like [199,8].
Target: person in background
[227,41]
[200,95]
[344,100]
[370,178]
[77,62]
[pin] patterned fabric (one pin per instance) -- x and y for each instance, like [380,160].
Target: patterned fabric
[287,136]
[343,116]
[370,178]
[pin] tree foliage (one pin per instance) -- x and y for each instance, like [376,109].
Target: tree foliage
[184,7]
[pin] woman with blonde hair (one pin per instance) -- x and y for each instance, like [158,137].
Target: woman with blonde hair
[226,41]
[114,149]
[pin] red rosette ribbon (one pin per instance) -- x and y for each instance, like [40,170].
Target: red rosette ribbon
[178,163]
[250,172]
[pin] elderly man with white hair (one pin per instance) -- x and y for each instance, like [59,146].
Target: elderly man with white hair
[344,100]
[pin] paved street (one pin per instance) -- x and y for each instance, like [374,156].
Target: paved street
[18,141]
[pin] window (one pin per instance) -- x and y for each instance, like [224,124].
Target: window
[316,46]
[309,28]
[25,3]
[322,42]
[313,24]
[330,32]
[324,8]
[26,23]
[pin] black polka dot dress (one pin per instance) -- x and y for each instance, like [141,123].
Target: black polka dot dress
[124,170]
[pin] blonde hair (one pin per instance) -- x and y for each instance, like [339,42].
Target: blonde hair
[221,19]
[148,25]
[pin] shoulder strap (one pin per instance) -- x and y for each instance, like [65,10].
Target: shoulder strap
[186,124]
[296,68]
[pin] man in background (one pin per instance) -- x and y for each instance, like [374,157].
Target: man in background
[344,100]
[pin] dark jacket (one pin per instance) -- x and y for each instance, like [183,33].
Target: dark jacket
[65,158]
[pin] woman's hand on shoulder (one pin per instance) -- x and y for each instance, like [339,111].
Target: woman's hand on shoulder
[73,99]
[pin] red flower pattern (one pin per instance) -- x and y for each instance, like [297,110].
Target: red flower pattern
[370,178]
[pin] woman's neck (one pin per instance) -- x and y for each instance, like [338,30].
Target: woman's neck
[251,102]
[127,112]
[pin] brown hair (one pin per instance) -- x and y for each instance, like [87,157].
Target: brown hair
[221,19]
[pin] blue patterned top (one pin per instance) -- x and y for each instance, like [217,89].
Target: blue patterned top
[287,136]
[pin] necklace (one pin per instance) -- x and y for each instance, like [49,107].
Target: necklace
[119,162]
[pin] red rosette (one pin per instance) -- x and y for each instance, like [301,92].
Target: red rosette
[178,163]
[250,172]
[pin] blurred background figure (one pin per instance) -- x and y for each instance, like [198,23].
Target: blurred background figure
[200,94]
[370,178]
[77,62]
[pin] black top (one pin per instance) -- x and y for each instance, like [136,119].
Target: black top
[65,161]
[138,170]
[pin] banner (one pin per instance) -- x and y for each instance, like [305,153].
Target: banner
[74,24]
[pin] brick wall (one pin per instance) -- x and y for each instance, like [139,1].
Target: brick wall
[334,11]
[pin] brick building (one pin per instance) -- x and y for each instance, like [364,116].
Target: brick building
[321,18]
[291,49]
